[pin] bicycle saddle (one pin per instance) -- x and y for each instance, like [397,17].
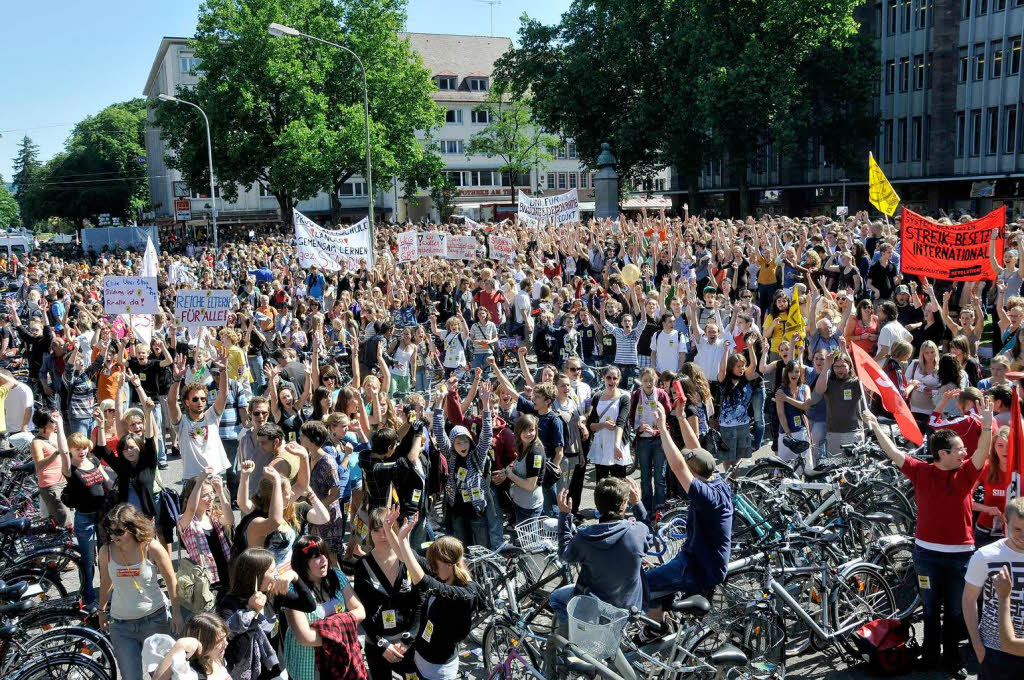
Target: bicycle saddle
[8,632]
[879,517]
[694,604]
[728,655]
[27,466]
[15,608]
[14,525]
[580,667]
[12,593]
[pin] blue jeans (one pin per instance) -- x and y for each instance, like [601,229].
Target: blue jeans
[421,533]
[652,463]
[495,520]
[471,531]
[940,580]
[256,368]
[82,426]
[757,404]
[523,514]
[480,361]
[626,374]
[422,384]
[559,600]
[231,474]
[85,532]
[127,636]
[671,578]
[161,450]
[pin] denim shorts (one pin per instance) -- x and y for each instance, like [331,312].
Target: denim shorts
[738,442]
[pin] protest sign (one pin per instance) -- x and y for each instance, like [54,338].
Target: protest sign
[408,242]
[501,248]
[130,295]
[953,252]
[473,225]
[432,244]
[202,307]
[559,210]
[461,247]
[332,249]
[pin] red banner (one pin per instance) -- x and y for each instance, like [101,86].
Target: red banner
[1015,450]
[874,379]
[954,252]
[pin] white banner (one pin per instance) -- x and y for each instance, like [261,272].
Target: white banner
[473,225]
[558,210]
[501,248]
[332,249]
[432,244]
[407,246]
[462,247]
[130,295]
[202,307]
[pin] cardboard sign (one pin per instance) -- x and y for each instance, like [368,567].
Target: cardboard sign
[501,248]
[557,210]
[953,252]
[408,242]
[202,307]
[461,247]
[432,244]
[332,249]
[130,295]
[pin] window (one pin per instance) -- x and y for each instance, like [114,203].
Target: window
[993,131]
[560,153]
[205,193]
[572,150]
[901,143]
[890,76]
[446,82]
[891,14]
[451,146]
[453,116]
[928,71]
[904,74]
[583,180]
[484,178]
[982,7]
[962,73]
[455,177]
[482,116]
[190,64]
[927,133]
[551,180]
[979,61]
[1014,56]
[999,5]
[965,9]
[887,141]
[264,192]
[1010,125]
[878,20]
[659,184]
[915,138]
[976,132]
[352,189]
[561,180]
[905,6]
[997,59]
[573,177]
[477,84]
[921,15]
[961,134]
[918,71]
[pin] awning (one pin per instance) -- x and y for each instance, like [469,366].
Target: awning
[648,203]
[587,206]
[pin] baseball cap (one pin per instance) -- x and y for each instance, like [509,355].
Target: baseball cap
[902,289]
[702,462]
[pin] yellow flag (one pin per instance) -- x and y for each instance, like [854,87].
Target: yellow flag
[880,192]
[794,321]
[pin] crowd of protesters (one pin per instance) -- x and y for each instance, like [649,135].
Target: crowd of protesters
[350,433]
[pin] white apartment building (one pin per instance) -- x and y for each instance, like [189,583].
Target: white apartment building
[461,68]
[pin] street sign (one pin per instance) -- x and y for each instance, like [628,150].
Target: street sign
[104,219]
[182,210]
[842,211]
[181,190]
[116,221]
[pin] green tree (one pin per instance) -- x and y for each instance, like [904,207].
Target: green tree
[101,170]
[26,166]
[511,136]
[288,113]
[8,207]
[443,193]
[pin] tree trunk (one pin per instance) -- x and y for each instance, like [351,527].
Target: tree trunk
[284,204]
[693,191]
[739,166]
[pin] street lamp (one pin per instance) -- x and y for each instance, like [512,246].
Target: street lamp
[280,30]
[209,151]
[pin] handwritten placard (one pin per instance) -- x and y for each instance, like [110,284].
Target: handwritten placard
[202,307]
[130,295]
[501,248]
[461,247]
[407,246]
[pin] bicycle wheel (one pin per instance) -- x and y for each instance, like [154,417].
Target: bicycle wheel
[62,667]
[767,470]
[499,639]
[896,560]
[806,590]
[860,594]
[44,586]
[69,640]
[56,614]
[864,533]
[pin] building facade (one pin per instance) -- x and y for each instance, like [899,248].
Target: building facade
[461,68]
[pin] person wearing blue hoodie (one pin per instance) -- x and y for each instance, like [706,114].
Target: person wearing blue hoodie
[610,553]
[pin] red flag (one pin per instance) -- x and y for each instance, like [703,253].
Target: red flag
[874,378]
[1015,450]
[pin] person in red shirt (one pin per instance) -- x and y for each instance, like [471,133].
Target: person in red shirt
[967,426]
[492,299]
[944,539]
[995,478]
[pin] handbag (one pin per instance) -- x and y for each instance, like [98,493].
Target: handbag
[712,442]
[888,645]
[195,591]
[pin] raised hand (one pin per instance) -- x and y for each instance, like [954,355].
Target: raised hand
[564,502]
[986,413]
[179,367]
[1003,582]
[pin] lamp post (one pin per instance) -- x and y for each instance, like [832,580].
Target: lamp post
[280,30]
[209,151]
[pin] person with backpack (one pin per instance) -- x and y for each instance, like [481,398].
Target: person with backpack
[643,403]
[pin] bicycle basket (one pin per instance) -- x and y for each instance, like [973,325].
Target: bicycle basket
[538,534]
[595,626]
[752,628]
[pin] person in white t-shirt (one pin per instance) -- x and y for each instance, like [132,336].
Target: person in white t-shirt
[18,409]
[667,349]
[892,330]
[997,662]
[198,427]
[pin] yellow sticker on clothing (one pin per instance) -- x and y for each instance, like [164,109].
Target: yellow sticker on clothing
[847,395]
[428,631]
[538,460]
[416,493]
[465,496]
[389,618]
[924,582]
[477,494]
[461,474]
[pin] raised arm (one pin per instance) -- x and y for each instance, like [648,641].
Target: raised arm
[996,267]
[675,458]
[887,444]
[173,398]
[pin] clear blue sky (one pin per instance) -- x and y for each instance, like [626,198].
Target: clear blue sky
[64,60]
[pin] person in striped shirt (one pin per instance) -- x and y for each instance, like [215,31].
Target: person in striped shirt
[626,338]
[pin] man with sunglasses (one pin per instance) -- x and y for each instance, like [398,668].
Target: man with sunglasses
[198,424]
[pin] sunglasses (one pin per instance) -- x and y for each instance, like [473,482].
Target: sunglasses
[574,369]
[197,399]
[330,378]
[262,414]
[119,531]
